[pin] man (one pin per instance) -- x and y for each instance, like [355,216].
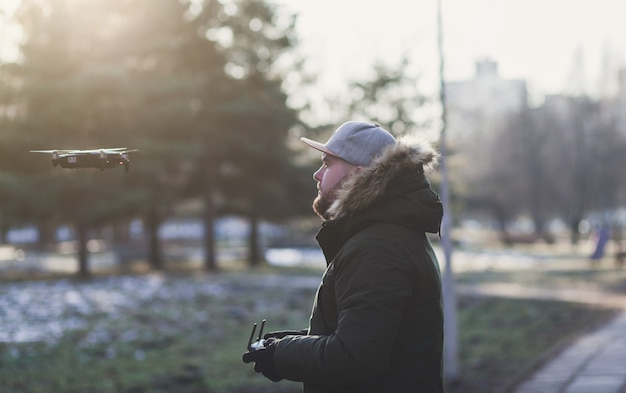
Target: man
[376,324]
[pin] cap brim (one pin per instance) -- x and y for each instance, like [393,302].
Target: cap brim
[317,146]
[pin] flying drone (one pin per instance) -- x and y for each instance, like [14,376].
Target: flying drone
[97,158]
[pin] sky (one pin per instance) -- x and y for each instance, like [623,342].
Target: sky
[534,40]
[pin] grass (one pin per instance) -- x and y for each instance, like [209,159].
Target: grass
[187,339]
[606,279]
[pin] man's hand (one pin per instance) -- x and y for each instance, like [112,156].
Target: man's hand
[264,360]
[283,333]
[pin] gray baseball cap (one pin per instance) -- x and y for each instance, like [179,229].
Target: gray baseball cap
[356,142]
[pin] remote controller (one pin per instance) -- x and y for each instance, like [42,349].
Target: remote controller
[260,342]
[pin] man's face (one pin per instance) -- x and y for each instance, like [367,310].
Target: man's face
[329,178]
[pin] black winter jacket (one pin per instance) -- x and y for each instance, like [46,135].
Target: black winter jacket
[377,321]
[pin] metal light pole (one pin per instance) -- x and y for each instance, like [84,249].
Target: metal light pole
[451,358]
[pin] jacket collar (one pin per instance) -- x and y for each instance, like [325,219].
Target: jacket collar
[372,183]
[392,189]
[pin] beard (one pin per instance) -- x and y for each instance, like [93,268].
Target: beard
[321,205]
[324,200]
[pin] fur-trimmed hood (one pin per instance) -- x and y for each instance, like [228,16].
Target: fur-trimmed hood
[398,170]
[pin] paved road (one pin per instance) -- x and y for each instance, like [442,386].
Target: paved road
[595,363]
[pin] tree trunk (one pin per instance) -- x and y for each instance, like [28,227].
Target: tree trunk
[4,228]
[46,235]
[534,170]
[575,230]
[153,222]
[210,261]
[254,252]
[83,253]
[500,216]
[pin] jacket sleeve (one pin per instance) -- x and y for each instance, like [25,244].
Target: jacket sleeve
[372,287]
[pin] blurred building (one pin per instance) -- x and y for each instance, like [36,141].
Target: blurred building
[479,106]
[478,109]
[620,102]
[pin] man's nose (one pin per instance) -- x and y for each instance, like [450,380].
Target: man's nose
[317,176]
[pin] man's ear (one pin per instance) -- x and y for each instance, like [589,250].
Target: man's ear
[357,169]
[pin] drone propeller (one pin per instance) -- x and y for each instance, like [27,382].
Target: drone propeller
[52,151]
[114,149]
[101,152]
[107,150]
